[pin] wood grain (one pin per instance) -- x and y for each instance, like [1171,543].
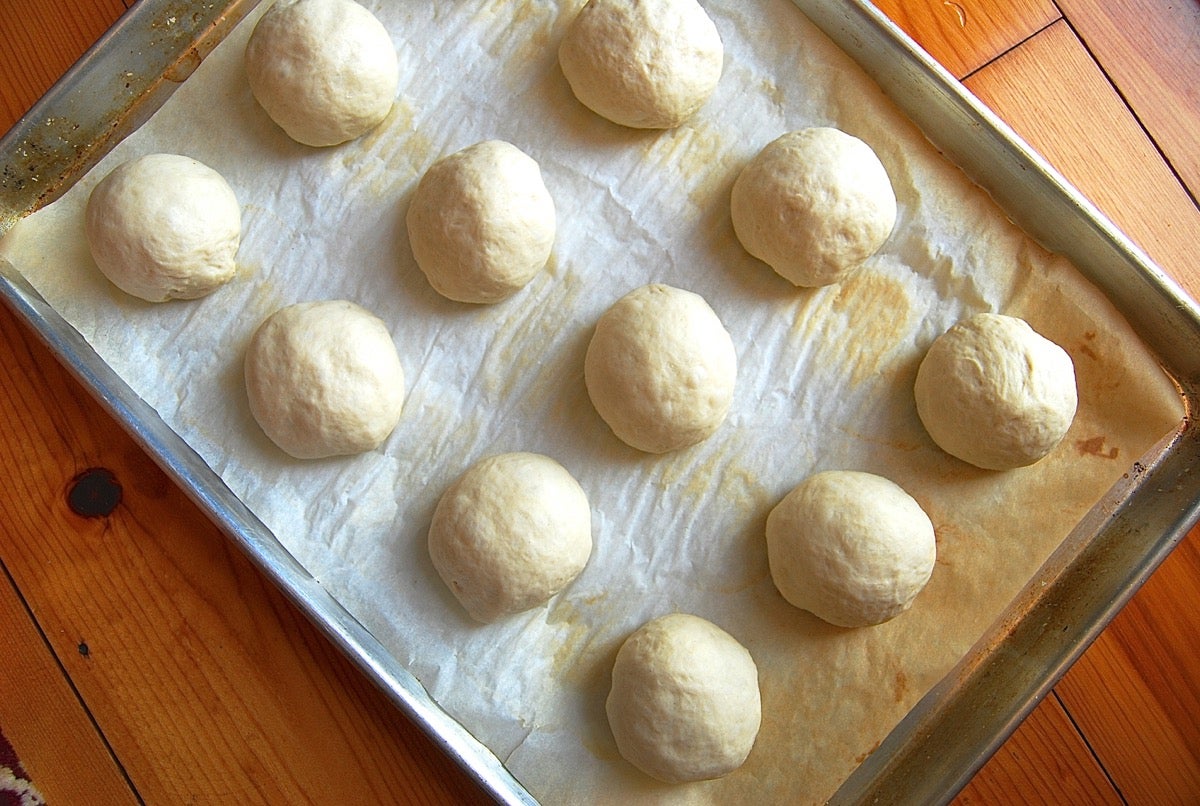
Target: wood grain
[964,35]
[1135,695]
[60,31]
[1039,90]
[1046,756]
[1136,691]
[1160,81]
[205,681]
[41,715]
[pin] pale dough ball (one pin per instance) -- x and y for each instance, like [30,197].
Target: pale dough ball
[660,369]
[481,222]
[164,227]
[648,64]
[813,205]
[851,548]
[684,703]
[324,379]
[511,532]
[324,70]
[995,393]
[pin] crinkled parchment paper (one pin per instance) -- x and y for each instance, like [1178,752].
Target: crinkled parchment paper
[824,381]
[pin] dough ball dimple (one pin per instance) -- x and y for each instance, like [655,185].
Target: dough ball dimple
[660,369]
[851,548]
[324,70]
[814,204]
[324,379]
[685,702]
[481,222]
[511,532]
[164,226]
[995,393]
[647,64]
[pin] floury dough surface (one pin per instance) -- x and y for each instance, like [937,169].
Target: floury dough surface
[660,369]
[684,704]
[814,205]
[481,222]
[995,393]
[324,379]
[324,70]
[825,381]
[164,226]
[510,533]
[850,547]
[647,64]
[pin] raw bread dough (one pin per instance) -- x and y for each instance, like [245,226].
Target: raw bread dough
[648,64]
[684,703]
[324,379]
[324,70]
[995,393]
[813,205]
[660,369]
[164,226]
[511,532]
[481,222]
[851,548]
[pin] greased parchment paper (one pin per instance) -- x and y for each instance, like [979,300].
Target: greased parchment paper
[824,381]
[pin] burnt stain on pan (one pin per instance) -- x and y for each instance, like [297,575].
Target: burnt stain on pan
[94,493]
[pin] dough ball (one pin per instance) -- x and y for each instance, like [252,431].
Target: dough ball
[164,227]
[324,70]
[813,205]
[324,379]
[995,393]
[851,548]
[481,222]
[660,369]
[648,64]
[684,703]
[510,533]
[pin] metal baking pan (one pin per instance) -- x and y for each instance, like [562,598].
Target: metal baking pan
[934,751]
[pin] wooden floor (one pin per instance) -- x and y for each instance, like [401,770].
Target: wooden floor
[142,659]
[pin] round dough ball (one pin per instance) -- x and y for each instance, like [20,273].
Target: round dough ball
[164,227]
[684,703]
[660,369]
[813,205]
[647,64]
[324,379]
[510,533]
[324,70]
[851,548]
[481,223]
[995,393]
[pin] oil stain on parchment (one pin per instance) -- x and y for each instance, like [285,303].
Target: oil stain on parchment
[877,312]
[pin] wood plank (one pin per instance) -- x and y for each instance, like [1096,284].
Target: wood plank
[1161,83]
[1046,760]
[964,35]
[1039,88]
[1136,692]
[36,49]
[1135,704]
[207,683]
[43,719]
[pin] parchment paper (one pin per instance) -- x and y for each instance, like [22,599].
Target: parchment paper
[824,381]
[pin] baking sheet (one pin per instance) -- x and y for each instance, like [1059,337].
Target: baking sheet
[824,381]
